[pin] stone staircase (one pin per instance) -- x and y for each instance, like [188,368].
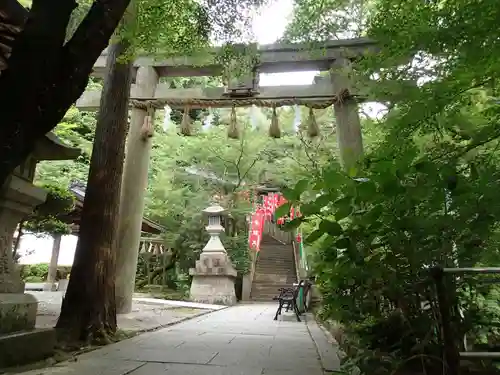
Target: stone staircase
[275,268]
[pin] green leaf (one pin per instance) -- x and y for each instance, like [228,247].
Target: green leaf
[331,227]
[325,199]
[343,208]
[310,209]
[366,190]
[314,236]
[295,193]
[333,178]
[301,187]
[342,243]
[289,194]
[293,224]
[318,185]
[283,210]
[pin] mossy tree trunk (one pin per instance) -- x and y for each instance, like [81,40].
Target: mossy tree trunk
[89,307]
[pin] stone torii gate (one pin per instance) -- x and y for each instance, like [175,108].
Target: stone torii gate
[147,95]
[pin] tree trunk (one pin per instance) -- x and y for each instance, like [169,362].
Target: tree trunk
[45,75]
[89,308]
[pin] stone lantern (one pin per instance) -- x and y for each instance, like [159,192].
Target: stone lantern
[214,273]
[18,198]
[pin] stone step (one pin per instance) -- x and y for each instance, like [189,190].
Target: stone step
[276,278]
[272,287]
[268,295]
[276,249]
[282,265]
[268,277]
[275,269]
[276,273]
[289,273]
[288,282]
[264,248]
[264,276]
[276,264]
[279,249]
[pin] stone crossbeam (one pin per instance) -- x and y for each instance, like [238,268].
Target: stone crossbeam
[272,58]
[90,100]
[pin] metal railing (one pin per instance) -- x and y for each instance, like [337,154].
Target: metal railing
[452,345]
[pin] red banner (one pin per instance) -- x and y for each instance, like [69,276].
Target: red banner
[269,206]
[256,227]
[265,212]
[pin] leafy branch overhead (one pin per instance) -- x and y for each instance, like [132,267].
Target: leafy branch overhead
[47,216]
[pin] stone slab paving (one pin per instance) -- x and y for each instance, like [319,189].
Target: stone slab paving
[242,340]
[144,316]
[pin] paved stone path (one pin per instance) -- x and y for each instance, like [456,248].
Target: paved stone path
[146,314]
[242,340]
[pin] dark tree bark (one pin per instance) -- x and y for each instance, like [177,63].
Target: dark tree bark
[45,75]
[89,309]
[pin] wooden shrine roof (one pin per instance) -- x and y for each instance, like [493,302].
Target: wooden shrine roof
[78,189]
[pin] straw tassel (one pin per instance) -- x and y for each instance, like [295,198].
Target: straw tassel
[147,129]
[186,123]
[312,126]
[274,129]
[233,131]
[297,119]
[167,119]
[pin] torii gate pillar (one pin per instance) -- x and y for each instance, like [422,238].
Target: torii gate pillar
[134,185]
[349,136]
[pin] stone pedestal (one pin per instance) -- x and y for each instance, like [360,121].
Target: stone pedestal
[213,280]
[18,310]
[214,273]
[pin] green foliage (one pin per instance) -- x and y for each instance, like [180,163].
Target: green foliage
[45,219]
[237,248]
[429,197]
[77,130]
[379,236]
[148,263]
[330,19]
[34,273]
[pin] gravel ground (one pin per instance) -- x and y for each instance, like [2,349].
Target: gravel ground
[142,318]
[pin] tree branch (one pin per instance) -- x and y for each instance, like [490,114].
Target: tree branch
[252,164]
[309,157]
[45,77]
[95,31]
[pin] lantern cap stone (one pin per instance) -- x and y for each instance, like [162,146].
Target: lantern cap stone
[214,210]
